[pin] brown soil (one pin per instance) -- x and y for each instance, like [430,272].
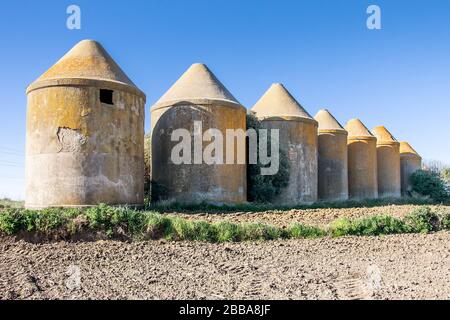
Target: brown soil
[315,217]
[391,267]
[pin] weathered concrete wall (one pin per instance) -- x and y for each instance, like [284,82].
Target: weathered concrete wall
[333,165]
[191,183]
[362,167]
[410,162]
[82,152]
[388,163]
[298,139]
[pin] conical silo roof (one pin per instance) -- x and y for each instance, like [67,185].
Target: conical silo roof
[197,85]
[278,102]
[327,122]
[86,60]
[356,128]
[405,148]
[383,135]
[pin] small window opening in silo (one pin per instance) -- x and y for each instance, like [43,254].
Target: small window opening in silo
[106,96]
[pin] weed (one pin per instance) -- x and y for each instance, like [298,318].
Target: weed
[369,226]
[299,231]
[422,220]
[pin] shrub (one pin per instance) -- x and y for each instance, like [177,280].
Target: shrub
[422,220]
[227,231]
[446,221]
[258,231]
[43,221]
[204,231]
[10,221]
[264,188]
[446,175]
[134,221]
[101,216]
[159,226]
[110,219]
[370,226]
[185,230]
[430,183]
[298,231]
[136,224]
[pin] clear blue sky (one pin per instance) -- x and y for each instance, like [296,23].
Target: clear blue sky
[321,50]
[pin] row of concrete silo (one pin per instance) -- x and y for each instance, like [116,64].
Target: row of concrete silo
[85,141]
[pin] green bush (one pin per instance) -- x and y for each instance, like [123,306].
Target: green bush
[431,184]
[159,226]
[10,221]
[110,219]
[257,232]
[204,231]
[227,231]
[299,231]
[185,230]
[446,174]
[261,188]
[139,225]
[446,221]
[369,226]
[14,220]
[101,216]
[44,221]
[422,220]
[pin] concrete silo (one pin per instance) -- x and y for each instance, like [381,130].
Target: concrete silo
[410,162]
[333,158]
[277,109]
[85,133]
[196,103]
[388,163]
[362,161]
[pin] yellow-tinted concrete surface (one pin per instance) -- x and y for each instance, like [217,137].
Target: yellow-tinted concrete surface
[81,151]
[388,163]
[362,161]
[410,162]
[333,158]
[198,96]
[298,139]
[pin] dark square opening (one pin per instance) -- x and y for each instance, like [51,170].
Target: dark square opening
[106,96]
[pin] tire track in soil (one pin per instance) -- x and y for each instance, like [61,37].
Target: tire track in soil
[351,287]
